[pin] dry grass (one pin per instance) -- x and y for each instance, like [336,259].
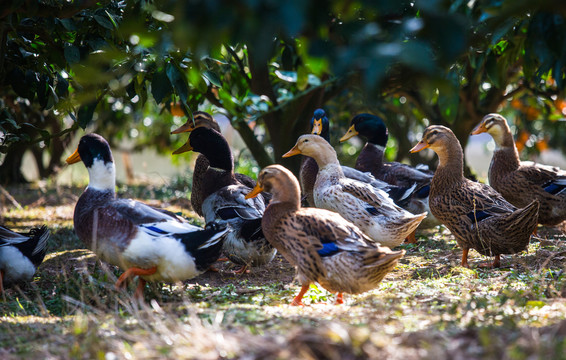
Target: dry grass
[429,307]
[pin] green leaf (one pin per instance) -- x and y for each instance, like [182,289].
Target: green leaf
[196,80]
[160,86]
[213,78]
[104,22]
[84,117]
[72,53]
[178,80]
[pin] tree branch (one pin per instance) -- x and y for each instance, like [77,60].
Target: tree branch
[241,66]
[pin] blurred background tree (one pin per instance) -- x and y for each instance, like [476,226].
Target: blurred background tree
[124,68]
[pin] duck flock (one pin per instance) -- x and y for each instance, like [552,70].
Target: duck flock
[344,239]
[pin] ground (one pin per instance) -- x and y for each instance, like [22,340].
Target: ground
[428,307]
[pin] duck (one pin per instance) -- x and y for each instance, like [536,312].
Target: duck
[320,125]
[521,182]
[204,119]
[371,156]
[322,246]
[371,159]
[151,243]
[475,213]
[371,209]
[223,201]
[21,254]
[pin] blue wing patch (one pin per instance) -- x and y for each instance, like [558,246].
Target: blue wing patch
[155,229]
[423,192]
[328,249]
[553,188]
[372,211]
[479,215]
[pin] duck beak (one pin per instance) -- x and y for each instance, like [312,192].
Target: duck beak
[349,134]
[294,151]
[186,147]
[317,127]
[74,158]
[255,191]
[420,146]
[186,127]
[479,129]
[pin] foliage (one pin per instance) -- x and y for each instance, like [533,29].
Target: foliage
[124,67]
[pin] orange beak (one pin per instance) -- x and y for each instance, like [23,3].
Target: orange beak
[74,158]
[255,191]
[420,146]
[317,127]
[349,134]
[479,129]
[294,151]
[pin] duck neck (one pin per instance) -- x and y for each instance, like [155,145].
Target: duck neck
[325,159]
[370,158]
[451,165]
[102,176]
[505,156]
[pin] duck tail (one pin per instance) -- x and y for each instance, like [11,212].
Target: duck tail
[40,236]
[382,257]
[525,218]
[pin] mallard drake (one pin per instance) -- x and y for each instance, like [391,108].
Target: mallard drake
[154,244]
[322,245]
[203,119]
[224,200]
[371,209]
[371,159]
[477,215]
[21,254]
[371,156]
[320,125]
[521,182]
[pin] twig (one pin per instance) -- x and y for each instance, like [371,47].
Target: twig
[9,197]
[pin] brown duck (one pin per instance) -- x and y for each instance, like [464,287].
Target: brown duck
[203,119]
[522,182]
[477,215]
[322,245]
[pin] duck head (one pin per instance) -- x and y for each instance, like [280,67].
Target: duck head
[370,126]
[211,144]
[93,150]
[200,119]
[320,125]
[496,126]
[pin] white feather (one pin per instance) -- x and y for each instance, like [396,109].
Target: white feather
[16,266]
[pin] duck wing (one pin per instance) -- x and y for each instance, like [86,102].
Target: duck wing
[376,198]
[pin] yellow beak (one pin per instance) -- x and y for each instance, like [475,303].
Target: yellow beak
[255,191]
[349,134]
[479,129]
[186,127]
[317,127]
[420,146]
[294,151]
[74,158]
[186,147]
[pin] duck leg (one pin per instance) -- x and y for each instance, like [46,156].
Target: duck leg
[412,239]
[242,270]
[298,300]
[465,257]
[495,264]
[2,282]
[133,271]
[339,298]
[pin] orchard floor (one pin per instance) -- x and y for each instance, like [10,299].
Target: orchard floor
[428,307]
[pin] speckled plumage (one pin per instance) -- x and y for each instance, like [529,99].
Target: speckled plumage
[322,245]
[522,182]
[320,125]
[371,159]
[371,209]
[477,215]
[223,201]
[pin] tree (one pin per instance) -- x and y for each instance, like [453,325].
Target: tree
[267,66]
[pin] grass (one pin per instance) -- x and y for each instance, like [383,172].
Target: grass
[429,307]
